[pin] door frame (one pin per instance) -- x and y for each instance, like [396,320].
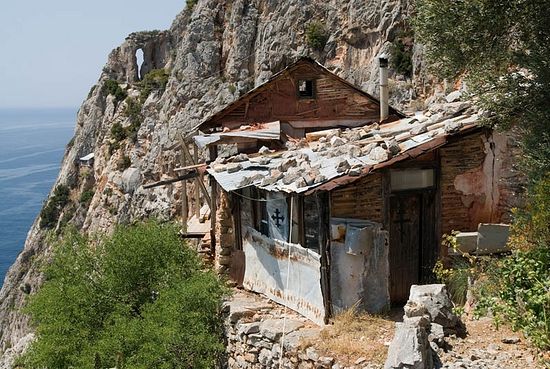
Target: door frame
[433,192]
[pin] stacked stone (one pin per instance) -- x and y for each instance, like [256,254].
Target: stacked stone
[225,235]
[254,334]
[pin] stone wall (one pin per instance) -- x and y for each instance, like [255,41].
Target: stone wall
[254,330]
[225,234]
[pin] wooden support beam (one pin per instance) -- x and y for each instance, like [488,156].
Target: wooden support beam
[213,204]
[197,185]
[200,183]
[184,204]
[187,167]
[184,177]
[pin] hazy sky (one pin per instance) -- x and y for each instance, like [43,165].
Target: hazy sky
[52,51]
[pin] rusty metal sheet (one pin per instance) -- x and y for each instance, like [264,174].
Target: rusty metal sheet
[266,272]
[260,131]
[359,268]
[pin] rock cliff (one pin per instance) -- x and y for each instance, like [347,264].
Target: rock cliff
[212,54]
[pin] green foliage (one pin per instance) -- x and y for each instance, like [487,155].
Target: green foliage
[113,88]
[155,80]
[133,112]
[190,4]
[118,132]
[517,288]
[401,55]
[316,35]
[124,163]
[51,211]
[86,196]
[138,299]
[232,88]
[501,49]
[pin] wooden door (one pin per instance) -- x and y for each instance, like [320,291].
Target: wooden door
[405,244]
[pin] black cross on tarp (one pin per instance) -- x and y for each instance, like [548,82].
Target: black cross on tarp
[277,218]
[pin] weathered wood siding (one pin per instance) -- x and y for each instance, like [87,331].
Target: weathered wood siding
[333,100]
[360,200]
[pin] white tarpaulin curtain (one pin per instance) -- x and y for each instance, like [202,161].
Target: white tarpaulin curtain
[277,216]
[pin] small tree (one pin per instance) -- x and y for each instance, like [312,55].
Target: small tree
[316,35]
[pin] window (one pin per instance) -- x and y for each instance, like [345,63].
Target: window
[411,179]
[311,223]
[306,88]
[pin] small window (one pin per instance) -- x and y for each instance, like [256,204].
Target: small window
[306,88]
[412,179]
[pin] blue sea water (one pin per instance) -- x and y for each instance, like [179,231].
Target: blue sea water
[32,142]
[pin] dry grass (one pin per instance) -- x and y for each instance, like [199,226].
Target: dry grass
[355,335]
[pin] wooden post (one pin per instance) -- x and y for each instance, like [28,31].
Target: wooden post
[199,179]
[201,183]
[184,207]
[323,208]
[213,206]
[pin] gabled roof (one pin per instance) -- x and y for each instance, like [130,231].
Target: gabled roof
[209,122]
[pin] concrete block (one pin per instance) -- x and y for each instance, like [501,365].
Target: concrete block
[466,242]
[492,238]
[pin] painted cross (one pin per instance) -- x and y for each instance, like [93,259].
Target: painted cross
[277,218]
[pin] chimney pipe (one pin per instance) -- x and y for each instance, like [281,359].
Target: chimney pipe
[384,110]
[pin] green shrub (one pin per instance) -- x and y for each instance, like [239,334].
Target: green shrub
[86,196]
[113,88]
[155,80]
[118,132]
[49,214]
[124,163]
[133,112]
[316,35]
[190,4]
[517,289]
[138,299]
[401,56]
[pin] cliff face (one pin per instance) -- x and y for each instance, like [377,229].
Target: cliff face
[212,54]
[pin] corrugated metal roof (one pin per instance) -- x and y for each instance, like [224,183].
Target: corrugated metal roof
[260,131]
[333,161]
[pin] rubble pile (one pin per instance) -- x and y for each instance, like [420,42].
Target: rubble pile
[324,155]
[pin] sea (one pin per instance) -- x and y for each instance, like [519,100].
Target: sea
[32,143]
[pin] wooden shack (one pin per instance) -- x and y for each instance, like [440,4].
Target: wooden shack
[322,206]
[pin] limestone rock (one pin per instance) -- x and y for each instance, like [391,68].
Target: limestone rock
[435,299]
[131,179]
[410,347]
[233,167]
[453,96]
[378,154]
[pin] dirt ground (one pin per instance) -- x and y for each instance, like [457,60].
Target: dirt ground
[361,341]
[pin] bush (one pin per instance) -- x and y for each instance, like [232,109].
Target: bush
[113,88]
[124,163]
[49,214]
[401,56]
[517,289]
[190,4]
[138,299]
[316,35]
[133,112]
[155,80]
[118,132]
[86,196]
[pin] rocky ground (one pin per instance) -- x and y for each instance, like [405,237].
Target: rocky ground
[486,347]
[257,325]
